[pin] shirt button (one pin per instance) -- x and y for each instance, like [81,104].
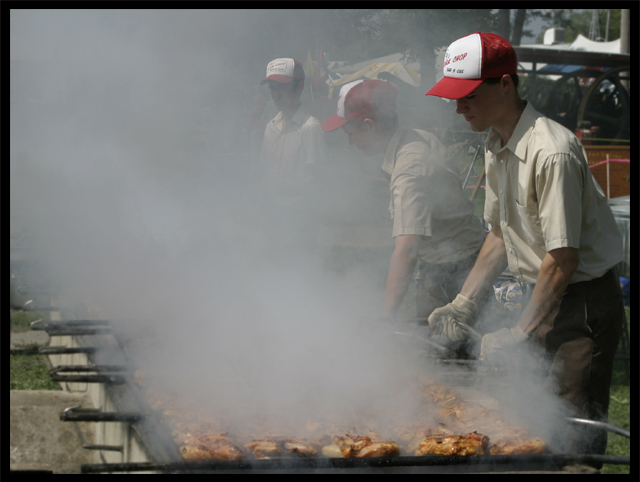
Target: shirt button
[501,161]
[500,191]
[510,250]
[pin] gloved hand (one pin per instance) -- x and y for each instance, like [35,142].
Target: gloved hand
[443,321]
[498,346]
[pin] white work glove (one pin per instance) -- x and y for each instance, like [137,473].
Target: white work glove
[500,345]
[444,321]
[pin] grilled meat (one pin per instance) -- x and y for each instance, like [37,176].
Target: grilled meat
[518,447]
[276,447]
[469,444]
[516,441]
[200,434]
[380,449]
[183,430]
[264,449]
[410,437]
[439,394]
[367,446]
[205,446]
[462,412]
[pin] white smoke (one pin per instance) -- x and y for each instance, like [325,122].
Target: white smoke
[127,215]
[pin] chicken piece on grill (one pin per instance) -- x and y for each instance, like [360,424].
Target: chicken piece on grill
[278,447]
[302,449]
[469,444]
[184,430]
[367,446]
[409,438]
[208,446]
[514,440]
[440,394]
[462,412]
[519,447]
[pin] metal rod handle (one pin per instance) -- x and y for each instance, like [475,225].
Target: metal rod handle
[601,425]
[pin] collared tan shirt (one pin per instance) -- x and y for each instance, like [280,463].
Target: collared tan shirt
[541,192]
[427,199]
[286,150]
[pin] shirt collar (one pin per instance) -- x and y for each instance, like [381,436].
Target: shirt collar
[520,138]
[390,155]
[298,118]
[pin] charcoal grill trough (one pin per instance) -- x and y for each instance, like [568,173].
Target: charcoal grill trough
[149,447]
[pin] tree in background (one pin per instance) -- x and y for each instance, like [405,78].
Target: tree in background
[577,22]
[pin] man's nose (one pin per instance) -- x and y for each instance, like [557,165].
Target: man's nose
[461,106]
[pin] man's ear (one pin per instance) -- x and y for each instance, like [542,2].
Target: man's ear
[370,122]
[506,81]
[300,87]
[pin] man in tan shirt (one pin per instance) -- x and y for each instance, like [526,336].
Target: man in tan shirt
[551,226]
[433,220]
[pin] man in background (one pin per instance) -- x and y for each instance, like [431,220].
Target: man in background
[433,220]
[293,146]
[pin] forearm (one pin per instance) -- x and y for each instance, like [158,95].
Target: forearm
[401,267]
[556,271]
[492,260]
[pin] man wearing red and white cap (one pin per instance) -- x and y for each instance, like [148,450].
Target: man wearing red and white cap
[293,145]
[552,227]
[433,219]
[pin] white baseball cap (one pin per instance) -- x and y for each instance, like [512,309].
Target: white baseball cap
[284,70]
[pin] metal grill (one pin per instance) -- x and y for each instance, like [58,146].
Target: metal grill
[162,453]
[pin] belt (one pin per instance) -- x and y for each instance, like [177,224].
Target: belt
[527,288]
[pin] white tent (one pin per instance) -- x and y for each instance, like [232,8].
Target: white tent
[583,43]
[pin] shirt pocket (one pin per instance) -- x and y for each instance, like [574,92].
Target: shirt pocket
[529,224]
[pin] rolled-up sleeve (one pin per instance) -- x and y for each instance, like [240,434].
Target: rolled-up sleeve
[412,209]
[559,185]
[491,202]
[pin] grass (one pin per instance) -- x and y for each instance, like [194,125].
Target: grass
[29,372]
[619,413]
[20,319]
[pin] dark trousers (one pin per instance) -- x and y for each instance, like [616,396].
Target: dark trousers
[580,338]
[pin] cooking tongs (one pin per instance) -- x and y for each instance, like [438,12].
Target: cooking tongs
[476,335]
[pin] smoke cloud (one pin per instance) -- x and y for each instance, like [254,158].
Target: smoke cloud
[124,130]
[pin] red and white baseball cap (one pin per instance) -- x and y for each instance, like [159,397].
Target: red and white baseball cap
[284,70]
[470,60]
[362,99]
